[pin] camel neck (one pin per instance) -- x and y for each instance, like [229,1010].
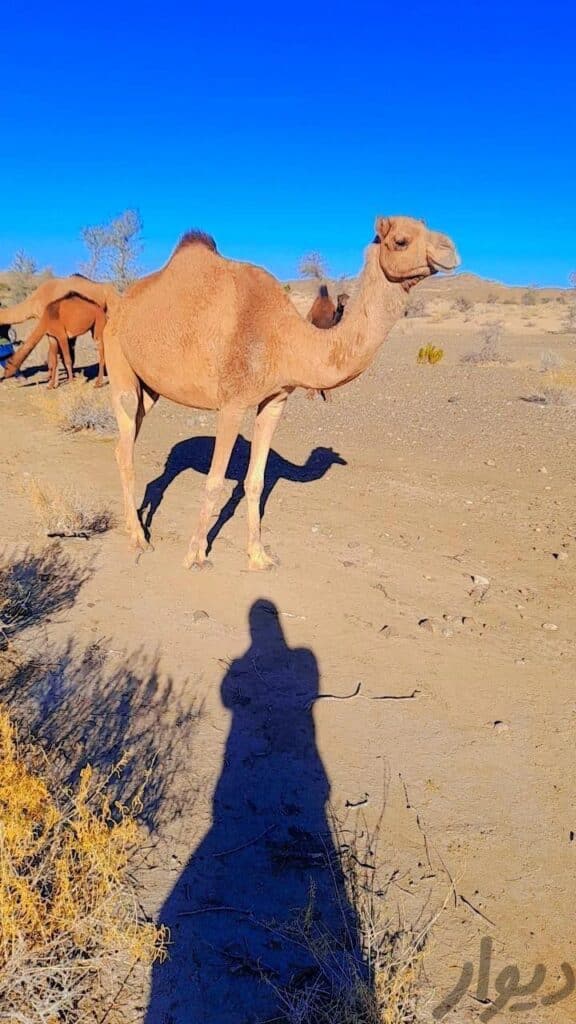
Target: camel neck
[346,350]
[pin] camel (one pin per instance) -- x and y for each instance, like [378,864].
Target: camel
[64,321]
[323,309]
[341,301]
[105,295]
[212,333]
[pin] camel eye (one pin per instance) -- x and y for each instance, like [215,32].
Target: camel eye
[401,243]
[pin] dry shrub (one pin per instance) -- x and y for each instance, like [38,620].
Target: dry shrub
[430,354]
[489,353]
[462,304]
[71,933]
[79,406]
[64,512]
[550,360]
[379,983]
[416,307]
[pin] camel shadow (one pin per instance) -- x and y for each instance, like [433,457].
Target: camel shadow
[266,878]
[196,453]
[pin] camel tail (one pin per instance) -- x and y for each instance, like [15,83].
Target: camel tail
[323,292]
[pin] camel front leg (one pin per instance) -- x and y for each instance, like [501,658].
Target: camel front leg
[267,419]
[229,422]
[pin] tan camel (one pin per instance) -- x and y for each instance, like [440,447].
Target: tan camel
[105,295]
[64,321]
[212,333]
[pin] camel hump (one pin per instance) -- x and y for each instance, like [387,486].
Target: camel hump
[53,308]
[195,237]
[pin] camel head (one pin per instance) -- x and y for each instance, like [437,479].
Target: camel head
[409,251]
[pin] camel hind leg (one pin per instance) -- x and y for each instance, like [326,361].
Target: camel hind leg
[130,402]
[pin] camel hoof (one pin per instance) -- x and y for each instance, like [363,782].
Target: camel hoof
[137,540]
[196,564]
[99,384]
[260,561]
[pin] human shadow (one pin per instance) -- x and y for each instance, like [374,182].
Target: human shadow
[267,874]
[196,453]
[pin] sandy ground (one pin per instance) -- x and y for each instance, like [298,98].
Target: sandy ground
[384,504]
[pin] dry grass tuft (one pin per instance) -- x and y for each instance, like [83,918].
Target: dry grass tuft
[430,354]
[71,934]
[378,983]
[79,406]
[64,512]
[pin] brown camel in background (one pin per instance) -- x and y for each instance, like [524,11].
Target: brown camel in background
[323,309]
[64,321]
[341,301]
[213,333]
[105,295]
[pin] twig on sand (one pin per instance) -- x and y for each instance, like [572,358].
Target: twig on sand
[475,909]
[236,849]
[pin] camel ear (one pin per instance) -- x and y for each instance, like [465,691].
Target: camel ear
[382,227]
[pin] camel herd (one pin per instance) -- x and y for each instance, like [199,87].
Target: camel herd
[213,333]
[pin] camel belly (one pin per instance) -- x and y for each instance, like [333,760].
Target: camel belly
[186,384]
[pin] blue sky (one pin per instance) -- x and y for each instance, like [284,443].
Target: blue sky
[282,128]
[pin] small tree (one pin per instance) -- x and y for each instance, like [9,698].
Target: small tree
[24,269]
[114,249]
[125,247]
[96,241]
[313,265]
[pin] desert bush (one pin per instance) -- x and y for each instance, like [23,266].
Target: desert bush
[529,298]
[490,336]
[313,265]
[78,406]
[550,360]
[462,304]
[376,984]
[430,354]
[416,307]
[287,288]
[64,512]
[492,298]
[71,932]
